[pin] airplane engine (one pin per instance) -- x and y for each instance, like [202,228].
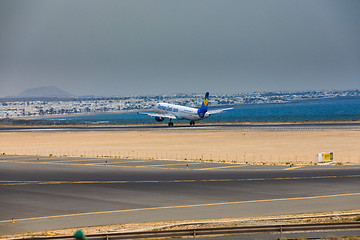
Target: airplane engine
[159,119]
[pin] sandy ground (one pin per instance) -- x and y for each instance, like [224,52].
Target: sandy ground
[243,146]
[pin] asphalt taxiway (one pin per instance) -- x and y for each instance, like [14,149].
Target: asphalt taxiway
[42,193]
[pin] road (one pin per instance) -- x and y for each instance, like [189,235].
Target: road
[60,192]
[180,126]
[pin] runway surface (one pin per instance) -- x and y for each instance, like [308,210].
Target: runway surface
[198,126]
[42,193]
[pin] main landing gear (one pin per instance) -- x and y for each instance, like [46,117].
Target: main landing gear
[171,124]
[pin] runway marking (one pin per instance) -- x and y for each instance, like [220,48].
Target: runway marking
[92,159]
[96,164]
[203,169]
[70,161]
[291,168]
[183,206]
[110,163]
[121,166]
[15,182]
[101,164]
[170,164]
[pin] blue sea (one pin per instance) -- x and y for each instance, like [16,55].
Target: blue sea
[306,110]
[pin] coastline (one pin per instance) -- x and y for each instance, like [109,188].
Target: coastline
[72,115]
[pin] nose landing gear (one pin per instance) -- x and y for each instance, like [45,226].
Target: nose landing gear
[192,123]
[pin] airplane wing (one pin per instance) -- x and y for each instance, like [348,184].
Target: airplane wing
[161,115]
[216,111]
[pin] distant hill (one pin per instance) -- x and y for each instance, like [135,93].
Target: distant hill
[49,91]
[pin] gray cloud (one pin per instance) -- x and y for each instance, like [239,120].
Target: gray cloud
[139,47]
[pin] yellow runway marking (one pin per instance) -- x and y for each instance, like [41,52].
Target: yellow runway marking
[98,159]
[291,168]
[122,166]
[183,206]
[70,161]
[45,158]
[110,163]
[233,166]
[96,164]
[170,164]
[7,183]
[101,164]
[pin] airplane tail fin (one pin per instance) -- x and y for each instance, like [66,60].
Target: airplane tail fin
[204,106]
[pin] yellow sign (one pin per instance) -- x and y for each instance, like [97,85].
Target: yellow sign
[328,157]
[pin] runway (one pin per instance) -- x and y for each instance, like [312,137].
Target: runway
[42,193]
[198,126]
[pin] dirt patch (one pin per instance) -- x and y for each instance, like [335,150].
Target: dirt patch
[326,217]
[237,146]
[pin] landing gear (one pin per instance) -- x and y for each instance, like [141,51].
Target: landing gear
[192,123]
[170,124]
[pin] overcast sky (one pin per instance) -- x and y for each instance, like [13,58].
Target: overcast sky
[163,46]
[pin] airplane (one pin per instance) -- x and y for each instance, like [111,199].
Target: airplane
[172,111]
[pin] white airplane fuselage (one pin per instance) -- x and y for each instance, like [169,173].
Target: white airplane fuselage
[172,111]
[181,112]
